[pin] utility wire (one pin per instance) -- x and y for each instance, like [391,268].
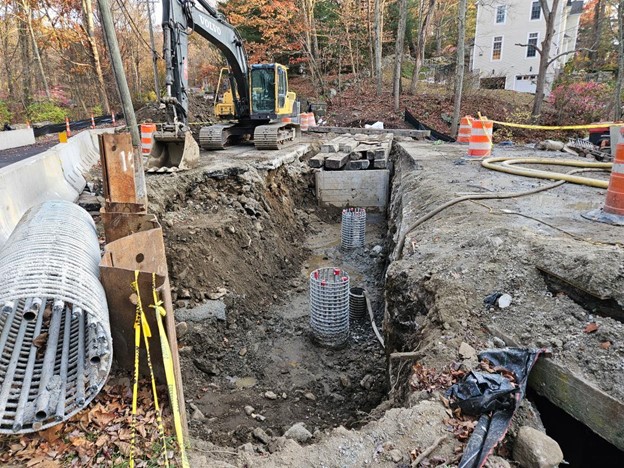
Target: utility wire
[135,29]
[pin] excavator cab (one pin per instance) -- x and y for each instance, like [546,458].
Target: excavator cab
[270,98]
[224,99]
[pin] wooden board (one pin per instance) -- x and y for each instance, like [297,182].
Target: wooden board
[578,397]
[419,134]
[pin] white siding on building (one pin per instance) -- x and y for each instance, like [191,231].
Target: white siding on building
[516,65]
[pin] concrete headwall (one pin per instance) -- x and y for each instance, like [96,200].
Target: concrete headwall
[55,174]
[16,138]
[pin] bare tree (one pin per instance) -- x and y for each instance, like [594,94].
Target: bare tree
[549,16]
[398,57]
[424,19]
[459,65]
[87,13]
[620,76]
[28,17]
[378,33]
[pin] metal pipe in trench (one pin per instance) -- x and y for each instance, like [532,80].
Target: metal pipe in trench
[55,341]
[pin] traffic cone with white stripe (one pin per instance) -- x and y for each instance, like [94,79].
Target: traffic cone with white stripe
[67,127]
[613,210]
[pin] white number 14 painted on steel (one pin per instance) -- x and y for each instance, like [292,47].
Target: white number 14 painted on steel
[127,161]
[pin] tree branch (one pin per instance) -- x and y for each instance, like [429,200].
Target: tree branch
[529,45]
[552,60]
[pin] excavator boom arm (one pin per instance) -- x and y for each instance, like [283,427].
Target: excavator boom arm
[181,16]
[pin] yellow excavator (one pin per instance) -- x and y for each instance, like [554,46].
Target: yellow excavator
[259,93]
[224,106]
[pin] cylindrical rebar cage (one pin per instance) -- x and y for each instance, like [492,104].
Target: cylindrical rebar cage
[55,341]
[353,228]
[357,304]
[329,306]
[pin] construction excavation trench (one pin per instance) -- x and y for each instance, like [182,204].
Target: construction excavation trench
[243,237]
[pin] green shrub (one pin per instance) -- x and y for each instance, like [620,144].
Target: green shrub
[97,110]
[46,111]
[5,114]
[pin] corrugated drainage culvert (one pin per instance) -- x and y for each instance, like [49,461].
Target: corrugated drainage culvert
[55,341]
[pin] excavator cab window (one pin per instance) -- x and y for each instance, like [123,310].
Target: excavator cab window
[262,90]
[282,88]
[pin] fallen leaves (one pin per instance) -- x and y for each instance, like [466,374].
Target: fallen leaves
[97,436]
[591,327]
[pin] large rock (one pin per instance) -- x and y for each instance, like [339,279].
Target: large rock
[202,312]
[298,433]
[534,449]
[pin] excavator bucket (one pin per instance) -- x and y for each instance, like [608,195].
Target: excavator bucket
[173,152]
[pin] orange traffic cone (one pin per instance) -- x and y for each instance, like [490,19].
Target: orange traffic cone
[92,121]
[613,210]
[480,145]
[67,129]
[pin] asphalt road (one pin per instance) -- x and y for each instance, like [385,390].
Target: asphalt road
[10,156]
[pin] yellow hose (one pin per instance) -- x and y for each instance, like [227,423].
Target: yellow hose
[507,162]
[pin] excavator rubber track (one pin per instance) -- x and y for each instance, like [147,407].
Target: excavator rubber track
[273,136]
[214,137]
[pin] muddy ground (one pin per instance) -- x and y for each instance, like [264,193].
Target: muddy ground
[250,241]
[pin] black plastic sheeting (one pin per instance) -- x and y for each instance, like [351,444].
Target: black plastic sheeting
[494,398]
[418,125]
[75,125]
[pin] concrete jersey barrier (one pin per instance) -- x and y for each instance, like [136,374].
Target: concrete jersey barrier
[55,174]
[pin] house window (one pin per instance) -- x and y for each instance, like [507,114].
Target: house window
[501,14]
[531,50]
[497,48]
[536,11]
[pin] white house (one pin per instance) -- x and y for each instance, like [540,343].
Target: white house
[502,24]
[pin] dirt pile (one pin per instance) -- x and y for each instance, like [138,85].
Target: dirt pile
[200,110]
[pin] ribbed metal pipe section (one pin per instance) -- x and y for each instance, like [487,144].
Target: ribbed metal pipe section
[329,306]
[357,304]
[55,341]
[353,228]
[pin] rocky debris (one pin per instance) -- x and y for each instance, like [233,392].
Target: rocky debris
[242,352]
[504,301]
[206,366]
[310,396]
[345,381]
[205,311]
[258,417]
[367,382]
[496,462]
[466,351]
[270,395]
[376,251]
[299,433]
[197,414]
[534,449]
[395,455]
[181,329]
[249,410]
[260,435]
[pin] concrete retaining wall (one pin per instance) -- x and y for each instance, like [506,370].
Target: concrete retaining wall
[52,175]
[16,138]
[365,189]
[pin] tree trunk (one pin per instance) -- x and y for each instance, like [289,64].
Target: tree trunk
[459,66]
[549,17]
[29,15]
[87,11]
[371,39]
[398,56]
[599,10]
[5,52]
[620,77]
[24,45]
[424,21]
[378,32]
